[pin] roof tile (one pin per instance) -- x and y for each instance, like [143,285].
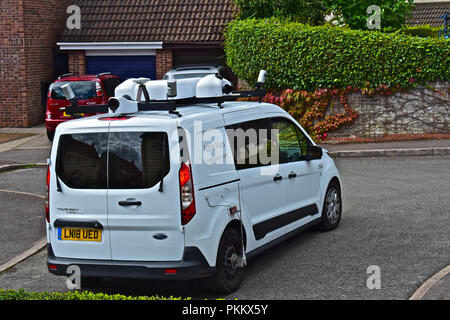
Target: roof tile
[151,20]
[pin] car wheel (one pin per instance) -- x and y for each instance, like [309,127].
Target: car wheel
[332,208]
[50,135]
[228,275]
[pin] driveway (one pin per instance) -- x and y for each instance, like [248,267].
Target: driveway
[396,217]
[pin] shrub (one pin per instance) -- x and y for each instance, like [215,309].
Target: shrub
[305,11]
[354,13]
[424,31]
[71,295]
[302,57]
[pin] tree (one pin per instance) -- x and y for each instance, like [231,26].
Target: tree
[354,13]
[304,11]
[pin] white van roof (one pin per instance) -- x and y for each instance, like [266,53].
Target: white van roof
[189,114]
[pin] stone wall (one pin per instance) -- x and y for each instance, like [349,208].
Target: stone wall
[421,112]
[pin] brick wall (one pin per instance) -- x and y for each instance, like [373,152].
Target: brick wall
[164,62]
[77,62]
[29,30]
[417,113]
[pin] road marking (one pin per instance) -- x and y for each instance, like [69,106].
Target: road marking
[424,288]
[24,193]
[38,246]
[7,146]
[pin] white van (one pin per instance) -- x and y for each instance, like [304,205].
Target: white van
[186,194]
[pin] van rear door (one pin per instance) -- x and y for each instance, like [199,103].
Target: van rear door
[144,214]
[78,203]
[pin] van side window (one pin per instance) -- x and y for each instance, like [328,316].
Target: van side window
[250,142]
[137,160]
[292,142]
[82,160]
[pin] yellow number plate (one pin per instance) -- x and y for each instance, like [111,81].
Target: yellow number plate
[80,234]
[72,115]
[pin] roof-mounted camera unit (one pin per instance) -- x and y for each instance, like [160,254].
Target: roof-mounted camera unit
[168,95]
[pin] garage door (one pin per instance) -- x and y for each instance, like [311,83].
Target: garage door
[123,66]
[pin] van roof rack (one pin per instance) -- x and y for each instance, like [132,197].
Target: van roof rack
[169,105]
[164,105]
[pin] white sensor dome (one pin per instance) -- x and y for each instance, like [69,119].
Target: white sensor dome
[209,87]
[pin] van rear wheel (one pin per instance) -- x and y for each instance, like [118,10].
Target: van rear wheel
[228,275]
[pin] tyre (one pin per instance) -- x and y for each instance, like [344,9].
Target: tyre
[332,208]
[228,275]
[50,135]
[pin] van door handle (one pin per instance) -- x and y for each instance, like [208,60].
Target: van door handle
[130,203]
[277,178]
[292,175]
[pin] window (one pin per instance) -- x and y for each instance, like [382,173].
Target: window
[125,160]
[83,90]
[251,143]
[293,143]
[137,160]
[82,160]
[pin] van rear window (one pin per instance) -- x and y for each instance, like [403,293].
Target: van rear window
[82,160]
[125,160]
[137,160]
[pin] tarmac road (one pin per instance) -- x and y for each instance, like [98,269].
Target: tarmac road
[396,216]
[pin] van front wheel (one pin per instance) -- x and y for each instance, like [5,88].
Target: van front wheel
[228,275]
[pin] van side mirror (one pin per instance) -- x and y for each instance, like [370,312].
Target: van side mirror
[315,152]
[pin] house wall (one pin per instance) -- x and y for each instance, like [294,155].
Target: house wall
[77,62]
[164,62]
[417,113]
[30,29]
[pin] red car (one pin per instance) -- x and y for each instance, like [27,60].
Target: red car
[89,89]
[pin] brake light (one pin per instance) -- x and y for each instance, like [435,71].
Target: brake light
[120,118]
[99,90]
[47,205]
[187,194]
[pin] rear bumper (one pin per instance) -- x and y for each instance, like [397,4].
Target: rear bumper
[193,266]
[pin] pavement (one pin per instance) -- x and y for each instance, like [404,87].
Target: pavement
[27,185]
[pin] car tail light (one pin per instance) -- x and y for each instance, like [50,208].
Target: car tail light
[187,194]
[47,202]
[99,90]
[170,271]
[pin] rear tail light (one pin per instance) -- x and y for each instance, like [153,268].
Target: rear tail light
[53,267]
[99,90]
[187,194]
[47,205]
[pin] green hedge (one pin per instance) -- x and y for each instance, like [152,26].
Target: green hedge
[424,31]
[71,295]
[302,57]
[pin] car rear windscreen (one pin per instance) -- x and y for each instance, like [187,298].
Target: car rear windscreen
[125,160]
[83,90]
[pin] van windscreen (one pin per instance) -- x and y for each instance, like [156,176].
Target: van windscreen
[123,160]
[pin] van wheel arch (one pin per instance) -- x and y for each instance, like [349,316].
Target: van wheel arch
[236,225]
